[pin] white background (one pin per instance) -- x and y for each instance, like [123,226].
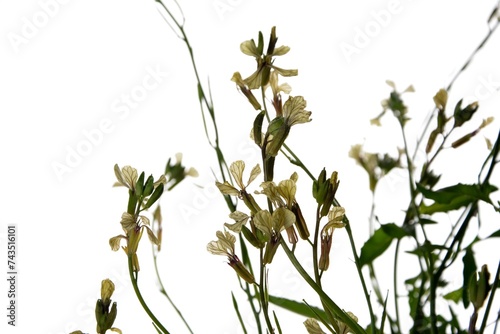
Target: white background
[69,72]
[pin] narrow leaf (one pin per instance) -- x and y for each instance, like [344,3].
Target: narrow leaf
[237,310]
[298,307]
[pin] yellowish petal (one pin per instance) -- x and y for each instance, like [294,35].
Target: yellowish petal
[191,172]
[119,176]
[254,173]
[145,220]
[115,242]
[287,190]
[282,219]
[227,189]
[294,111]
[226,239]
[240,219]
[286,73]
[129,176]
[152,236]
[249,48]
[313,327]
[280,51]
[161,179]
[236,170]
[128,222]
[263,221]
[391,84]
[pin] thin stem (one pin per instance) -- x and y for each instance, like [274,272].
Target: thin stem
[263,293]
[134,279]
[205,104]
[353,325]
[296,161]
[395,285]
[315,247]
[455,77]
[164,292]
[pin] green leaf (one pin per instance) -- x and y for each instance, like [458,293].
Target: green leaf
[494,235]
[454,295]
[237,310]
[277,323]
[394,231]
[298,307]
[455,197]
[470,268]
[375,246]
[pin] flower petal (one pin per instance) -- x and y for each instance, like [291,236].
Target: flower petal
[240,219]
[282,218]
[227,189]
[152,236]
[145,220]
[287,190]
[262,221]
[293,111]
[128,222]
[130,176]
[114,242]
[254,173]
[249,48]
[119,176]
[236,170]
[280,51]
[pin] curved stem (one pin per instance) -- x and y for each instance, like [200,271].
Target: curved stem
[457,75]
[353,325]
[164,292]
[134,278]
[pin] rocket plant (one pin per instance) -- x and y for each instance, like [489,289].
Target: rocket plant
[269,216]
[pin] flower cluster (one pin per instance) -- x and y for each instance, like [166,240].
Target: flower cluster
[142,195]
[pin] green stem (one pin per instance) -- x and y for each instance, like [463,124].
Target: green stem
[395,285]
[299,163]
[344,317]
[296,161]
[457,75]
[164,292]
[263,293]
[134,279]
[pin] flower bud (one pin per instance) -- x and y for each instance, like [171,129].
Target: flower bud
[324,259]
[300,222]
[107,289]
[479,288]
[463,115]
[149,186]
[277,132]
[139,185]
[155,196]
[241,270]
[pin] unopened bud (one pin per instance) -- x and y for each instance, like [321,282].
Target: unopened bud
[241,270]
